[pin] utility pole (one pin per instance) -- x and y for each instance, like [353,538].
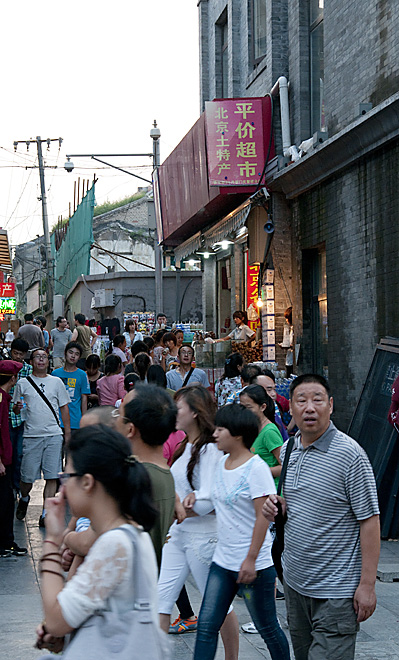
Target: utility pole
[43,198]
[155,133]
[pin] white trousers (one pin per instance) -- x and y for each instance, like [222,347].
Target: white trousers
[183,552]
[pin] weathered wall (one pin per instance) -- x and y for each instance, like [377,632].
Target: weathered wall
[131,287]
[355,215]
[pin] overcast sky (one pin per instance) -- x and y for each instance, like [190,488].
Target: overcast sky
[96,74]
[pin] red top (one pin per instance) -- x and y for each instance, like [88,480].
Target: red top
[283,403]
[5,441]
[393,414]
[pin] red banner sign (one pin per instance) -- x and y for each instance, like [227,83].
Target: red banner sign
[238,133]
[7,290]
[252,295]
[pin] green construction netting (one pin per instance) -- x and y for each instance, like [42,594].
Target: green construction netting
[72,258]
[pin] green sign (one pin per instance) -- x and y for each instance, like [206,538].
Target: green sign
[7,305]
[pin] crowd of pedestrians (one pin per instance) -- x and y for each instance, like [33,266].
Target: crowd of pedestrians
[165,476]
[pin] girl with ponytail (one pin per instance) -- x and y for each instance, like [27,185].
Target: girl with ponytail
[193,540]
[105,483]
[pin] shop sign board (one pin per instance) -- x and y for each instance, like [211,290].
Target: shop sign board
[238,132]
[7,305]
[7,290]
[252,295]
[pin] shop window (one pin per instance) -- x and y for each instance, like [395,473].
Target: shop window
[317,109]
[257,15]
[315,319]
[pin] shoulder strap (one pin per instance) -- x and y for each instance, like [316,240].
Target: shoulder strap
[45,399]
[141,590]
[188,376]
[285,464]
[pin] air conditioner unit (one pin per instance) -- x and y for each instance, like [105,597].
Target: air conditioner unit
[103,298]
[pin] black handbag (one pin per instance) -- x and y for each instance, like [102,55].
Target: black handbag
[279,520]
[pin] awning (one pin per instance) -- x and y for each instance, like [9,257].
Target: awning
[189,246]
[230,223]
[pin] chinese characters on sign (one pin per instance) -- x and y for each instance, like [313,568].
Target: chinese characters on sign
[268,318]
[7,290]
[235,131]
[7,305]
[252,295]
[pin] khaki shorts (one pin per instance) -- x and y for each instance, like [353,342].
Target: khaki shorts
[58,362]
[41,456]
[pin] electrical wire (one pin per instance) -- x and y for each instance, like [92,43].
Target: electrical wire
[19,199]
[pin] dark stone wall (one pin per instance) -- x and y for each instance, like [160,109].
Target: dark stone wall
[355,215]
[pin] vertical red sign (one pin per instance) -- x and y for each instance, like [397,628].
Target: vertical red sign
[252,295]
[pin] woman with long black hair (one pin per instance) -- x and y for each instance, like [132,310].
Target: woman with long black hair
[104,483]
[230,381]
[192,542]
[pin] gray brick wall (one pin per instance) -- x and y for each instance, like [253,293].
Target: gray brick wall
[353,214]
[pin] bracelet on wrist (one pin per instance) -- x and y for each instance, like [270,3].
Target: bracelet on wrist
[53,542]
[47,570]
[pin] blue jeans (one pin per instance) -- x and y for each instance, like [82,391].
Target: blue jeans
[259,598]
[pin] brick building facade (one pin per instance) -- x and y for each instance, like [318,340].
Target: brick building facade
[336,242]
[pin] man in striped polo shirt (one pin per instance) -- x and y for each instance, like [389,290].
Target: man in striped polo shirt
[332,533]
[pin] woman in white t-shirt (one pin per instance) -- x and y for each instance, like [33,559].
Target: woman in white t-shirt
[242,561]
[103,482]
[192,542]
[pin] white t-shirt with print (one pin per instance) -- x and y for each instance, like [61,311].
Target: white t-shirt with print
[39,420]
[232,495]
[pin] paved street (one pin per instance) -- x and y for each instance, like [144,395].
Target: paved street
[21,605]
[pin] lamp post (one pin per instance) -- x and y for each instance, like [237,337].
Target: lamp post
[155,134]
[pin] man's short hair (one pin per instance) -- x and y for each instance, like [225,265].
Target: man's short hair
[100,415]
[153,412]
[309,378]
[58,320]
[19,344]
[161,314]
[73,344]
[239,315]
[34,350]
[80,318]
[28,317]
[42,320]
[249,372]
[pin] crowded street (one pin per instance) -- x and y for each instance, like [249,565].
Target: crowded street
[22,609]
[199,330]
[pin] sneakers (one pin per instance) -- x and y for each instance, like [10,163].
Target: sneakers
[22,509]
[249,627]
[279,595]
[16,550]
[183,625]
[4,552]
[41,522]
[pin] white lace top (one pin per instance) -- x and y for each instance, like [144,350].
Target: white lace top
[106,573]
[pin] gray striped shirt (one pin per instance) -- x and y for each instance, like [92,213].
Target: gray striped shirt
[329,487]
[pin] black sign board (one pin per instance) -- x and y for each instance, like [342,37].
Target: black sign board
[371,429]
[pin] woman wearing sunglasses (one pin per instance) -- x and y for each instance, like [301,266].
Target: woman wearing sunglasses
[104,483]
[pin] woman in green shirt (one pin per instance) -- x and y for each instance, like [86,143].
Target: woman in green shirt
[269,441]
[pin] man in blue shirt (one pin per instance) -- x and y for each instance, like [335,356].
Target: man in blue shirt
[75,381]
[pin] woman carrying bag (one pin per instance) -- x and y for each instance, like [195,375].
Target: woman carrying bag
[110,605]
